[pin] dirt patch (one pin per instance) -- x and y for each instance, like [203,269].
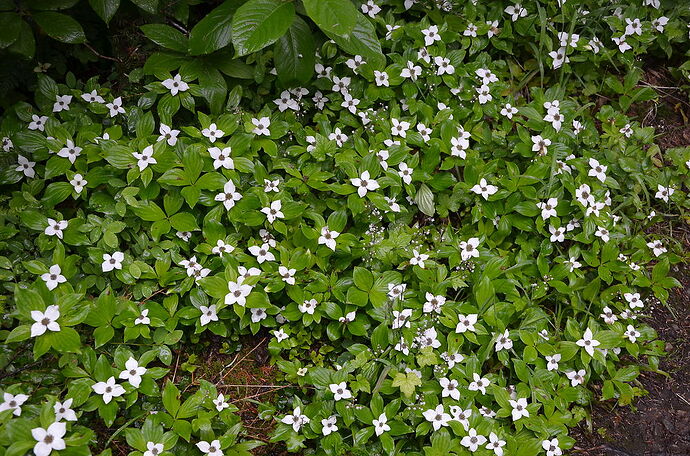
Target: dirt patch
[659,423]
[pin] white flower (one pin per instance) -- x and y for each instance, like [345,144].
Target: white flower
[338,136]
[399,127]
[437,417]
[608,316]
[540,145]
[340,391]
[221,248]
[280,334]
[559,57]
[431,35]
[108,389]
[286,102]
[25,166]
[466,323]
[450,388]
[262,253]
[381,424]
[49,439]
[555,118]
[153,449]
[328,237]
[348,318]
[63,411]
[469,249]
[145,158]
[328,424]
[548,208]
[405,173]
[621,43]
[372,9]
[597,170]
[484,94]
[519,408]
[504,342]
[45,320]
[634,300]
[168,134]
[433,303]
[401,318]
[210,448]
[602,233]
[552,361]
[115,107]
[113,261]
[551,447]
[340,84]
[516,11]
[350,103]
[297,420]
[657,247]
[576,377]
[53,277]
[220,403]
[587,342]
[62,103]
[634,26]
[70,151]
[288,275]
[208,314]
[484,189]
[273,211]
[143,318]
[92,97]
[428,338]
[258,314]
[175,85]
[459,145]
[509,111]
[444,66]
[394,206]
[631,333]
[557,234]
[78,182]
[308,306]
[660,23]
[38,122]
[221,158]
[381,78]
[584,196]
[471,30]
[495,444]
[261,126]
[478,383]
[664,193]
[55,228]
[238,293]
[473,441]
[13,402]
[390,29]
[213,132]
[411,71]
[229,195]
[364,183]
[133,372]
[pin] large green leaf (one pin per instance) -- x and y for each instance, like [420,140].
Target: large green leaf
[10,26]
[60,27]
[150,6]
[25,43]
[165,36]
[259,23]
[105,9]
[425,200]
[362,41]
[214,31]
[294,54]
[338,17]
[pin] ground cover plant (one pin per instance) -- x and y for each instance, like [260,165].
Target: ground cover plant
[445,241]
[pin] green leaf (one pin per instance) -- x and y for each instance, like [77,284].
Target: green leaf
[60,27]
[184,221]
[10,26]
[105,9]
[214,31]
[332,16]
[259,23]
[362,41]
[25,43]
[363,279]
[425,200]
[294,54]
[165,36]
[407,382]
[150,6]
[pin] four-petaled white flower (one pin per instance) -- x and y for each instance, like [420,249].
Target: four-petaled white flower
[418,259]
[113,261]
[328,424]
[551,447]
[466,323]
[664,193]
[210,448]
[472,441]
[548,208]
[468,249]
[273,211]
[634,300]
[229,195]
[53,277]
[401,318]
[220,403]
[657,247]
[153,449]
[168,134]
[552,361]
[92,97]
[450,388]
[597,170]
[38,122]
[540,145]
[212,133]
[495,444]
[296,420]
[49,439]
[411,71]
[479,383]
[381,424]
[364,184]
[485,189]
[262,253]
[78,182]
[588,342]
[237,293]
[576,377]
[115,107]
[175,85]
[63,411]
[45,320]
[340,391]
[631,333]
[133,372]
[145,158]
[437,417]
[208,314]
[62,103]
[308,306]
[519,408]
[405,173]
[381,78]
[504,342]
[13,402]
[55,228]
[70,151]
[221,158]
[261,126]
[108,389]
[25,166]
[328,237]
[431,35]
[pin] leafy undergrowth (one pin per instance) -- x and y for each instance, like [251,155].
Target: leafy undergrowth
[433,247]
